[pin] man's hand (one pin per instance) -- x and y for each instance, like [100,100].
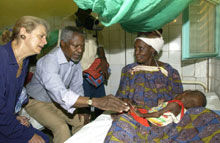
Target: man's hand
[130,103]
[104,65]
[112,103]
[23,120]
[36,139]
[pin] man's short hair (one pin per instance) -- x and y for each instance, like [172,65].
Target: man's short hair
[68,31]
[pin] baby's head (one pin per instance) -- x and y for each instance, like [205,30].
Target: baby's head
[192,99]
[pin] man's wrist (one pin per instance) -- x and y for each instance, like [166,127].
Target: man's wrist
[94,102]
[90,102]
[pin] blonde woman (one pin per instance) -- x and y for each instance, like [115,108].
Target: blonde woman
[28,38]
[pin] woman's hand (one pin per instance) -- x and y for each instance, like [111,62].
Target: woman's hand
[36,139]
[86,117]
[23,120]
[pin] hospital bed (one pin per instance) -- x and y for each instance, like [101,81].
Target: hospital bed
[95,132]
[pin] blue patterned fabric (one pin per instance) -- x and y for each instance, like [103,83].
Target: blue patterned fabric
[199,125]
[145,88]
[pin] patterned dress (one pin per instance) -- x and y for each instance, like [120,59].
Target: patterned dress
[145,87]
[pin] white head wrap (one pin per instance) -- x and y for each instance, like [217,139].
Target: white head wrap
[156,43]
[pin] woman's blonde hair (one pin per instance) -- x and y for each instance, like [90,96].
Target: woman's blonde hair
[29,23]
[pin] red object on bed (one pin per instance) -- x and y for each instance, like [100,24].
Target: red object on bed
[141,120]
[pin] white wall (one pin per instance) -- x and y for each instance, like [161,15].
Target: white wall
[119,54]
[215,76]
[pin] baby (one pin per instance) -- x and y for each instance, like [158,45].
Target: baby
[171,111]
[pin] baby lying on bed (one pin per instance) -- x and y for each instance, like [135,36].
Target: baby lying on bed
[171,111]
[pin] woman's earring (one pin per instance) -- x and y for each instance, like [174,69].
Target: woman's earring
[23,37]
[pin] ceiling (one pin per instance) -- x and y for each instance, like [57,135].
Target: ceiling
[10,10]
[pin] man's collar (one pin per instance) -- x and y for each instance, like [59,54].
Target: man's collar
[61,57]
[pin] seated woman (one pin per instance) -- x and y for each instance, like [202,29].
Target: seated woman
[146,81]
[158,80]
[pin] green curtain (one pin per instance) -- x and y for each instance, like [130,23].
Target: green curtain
[135,15]
[52,38]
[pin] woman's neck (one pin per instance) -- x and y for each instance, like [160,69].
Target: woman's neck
[150,62]
[19,51]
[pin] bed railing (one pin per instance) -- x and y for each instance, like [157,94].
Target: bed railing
[197,83]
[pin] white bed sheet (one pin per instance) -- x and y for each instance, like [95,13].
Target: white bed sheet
[94,132]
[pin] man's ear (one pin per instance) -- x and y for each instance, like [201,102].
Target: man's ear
[62,43]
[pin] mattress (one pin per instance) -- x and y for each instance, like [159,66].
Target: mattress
[213,102]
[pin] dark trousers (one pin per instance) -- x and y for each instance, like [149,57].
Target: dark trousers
[44,136]
[92,91]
